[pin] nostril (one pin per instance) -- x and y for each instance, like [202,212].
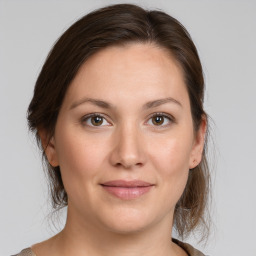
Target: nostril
[128,165]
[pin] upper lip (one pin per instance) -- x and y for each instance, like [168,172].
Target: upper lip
[126,183]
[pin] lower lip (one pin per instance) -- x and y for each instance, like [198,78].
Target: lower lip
[127,193]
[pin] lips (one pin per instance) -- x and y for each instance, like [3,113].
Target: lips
[127,190]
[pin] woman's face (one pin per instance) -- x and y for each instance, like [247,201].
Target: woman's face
[124,139]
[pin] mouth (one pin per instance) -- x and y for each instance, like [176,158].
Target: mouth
[127,190]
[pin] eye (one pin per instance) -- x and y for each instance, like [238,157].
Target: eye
[95,120]
[160,119]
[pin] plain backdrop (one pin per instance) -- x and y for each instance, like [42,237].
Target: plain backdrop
[225,34]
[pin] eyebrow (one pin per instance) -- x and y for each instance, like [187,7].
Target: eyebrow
[97,102]
[156,103]
[107,105]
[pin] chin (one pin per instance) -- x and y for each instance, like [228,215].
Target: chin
[127,221]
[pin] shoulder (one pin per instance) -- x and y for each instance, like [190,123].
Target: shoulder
[25,252]
[188,248]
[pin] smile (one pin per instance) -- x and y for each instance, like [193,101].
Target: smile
[127,190]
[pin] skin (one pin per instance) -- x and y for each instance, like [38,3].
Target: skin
[127,145]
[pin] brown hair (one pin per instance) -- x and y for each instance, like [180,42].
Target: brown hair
[113,25]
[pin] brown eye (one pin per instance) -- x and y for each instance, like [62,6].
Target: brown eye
[158,120]
[94,120]
[161,119]
[97,120]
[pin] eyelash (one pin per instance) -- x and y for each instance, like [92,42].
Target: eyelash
[85,118]
[170,118]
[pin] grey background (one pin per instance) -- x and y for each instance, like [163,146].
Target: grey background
[225,34]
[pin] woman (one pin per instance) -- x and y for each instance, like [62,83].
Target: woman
[118,112]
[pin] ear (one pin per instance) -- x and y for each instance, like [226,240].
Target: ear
[49,148]
[198,146]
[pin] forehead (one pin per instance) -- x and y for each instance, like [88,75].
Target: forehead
[131,71]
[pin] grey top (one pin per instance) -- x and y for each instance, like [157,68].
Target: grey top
[187,247]
[25,252]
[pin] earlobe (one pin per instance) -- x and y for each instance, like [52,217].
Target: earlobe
[198,146]
[49,148]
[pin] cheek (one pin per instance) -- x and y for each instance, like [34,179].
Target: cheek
[171,155]
[171,163]
[80,159]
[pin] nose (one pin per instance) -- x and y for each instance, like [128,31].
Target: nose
[128,148]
